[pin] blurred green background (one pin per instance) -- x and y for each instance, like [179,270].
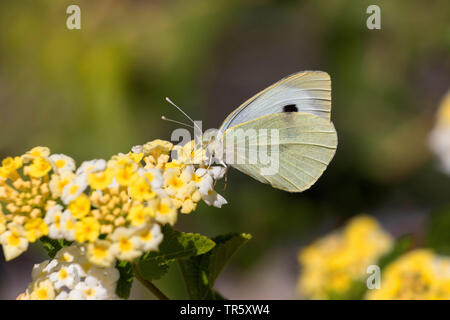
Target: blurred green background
[100,90]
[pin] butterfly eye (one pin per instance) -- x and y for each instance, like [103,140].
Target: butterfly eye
[290,108]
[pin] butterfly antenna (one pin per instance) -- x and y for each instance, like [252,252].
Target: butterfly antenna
[185,114]
[174,121]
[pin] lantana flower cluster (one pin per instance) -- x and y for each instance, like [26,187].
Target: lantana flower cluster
[331,265]
[114,209]
[70,276]
[417,275]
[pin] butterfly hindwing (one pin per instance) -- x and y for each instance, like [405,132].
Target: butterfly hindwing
[306,144]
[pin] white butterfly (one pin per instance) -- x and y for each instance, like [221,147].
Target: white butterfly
[297,108]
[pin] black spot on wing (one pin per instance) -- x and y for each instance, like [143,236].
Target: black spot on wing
[290,108]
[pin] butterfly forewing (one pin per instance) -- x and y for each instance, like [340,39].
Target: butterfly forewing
[307,91]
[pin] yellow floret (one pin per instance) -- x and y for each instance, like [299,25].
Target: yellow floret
[80,207]
[88,229]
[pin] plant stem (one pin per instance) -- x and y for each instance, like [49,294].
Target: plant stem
[149,285]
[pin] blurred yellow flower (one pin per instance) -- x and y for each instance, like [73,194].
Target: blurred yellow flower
[58,182]
[100,180]
[125,247]
[136,157]
[140,189]
[157,147]
[87,229]
[43,290]
[99,253]
[73,189]
[125,169]
[331,265]
[9,167]
[190,154]
[39,168]
[14,241]
[37,152]
[417,275]
[165,211]
[62,163]
[80,207]
[139,215]
[69,275]
[35,228]
[156,153]
[149,238]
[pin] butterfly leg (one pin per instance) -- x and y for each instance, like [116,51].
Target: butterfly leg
[226,182]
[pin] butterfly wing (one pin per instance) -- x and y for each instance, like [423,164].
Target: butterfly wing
[306,144]
[308,91]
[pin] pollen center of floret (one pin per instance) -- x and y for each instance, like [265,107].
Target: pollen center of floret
[176,183]
[89,292]
[163,208]
[42,293]
[146,236]
[99,252]
[60,163]
[125,244]
[73,189]
[63,274]
[14,239]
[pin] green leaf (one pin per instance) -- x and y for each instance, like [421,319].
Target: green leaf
[175,245]
[401,245]
[216,295]
[52,246]
[356,291]
[200,272]
[153,269]
[126,279]
[438,235]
